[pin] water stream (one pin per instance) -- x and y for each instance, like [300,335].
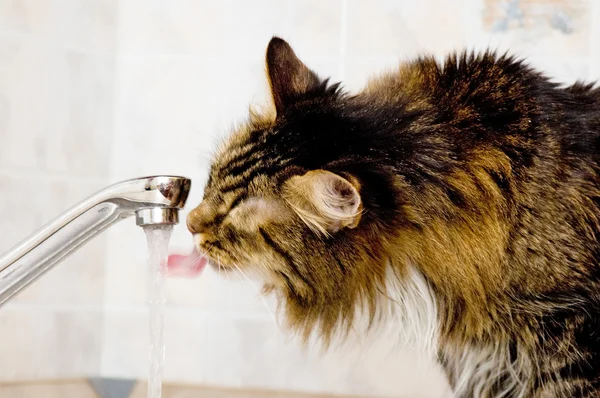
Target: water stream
[158,242]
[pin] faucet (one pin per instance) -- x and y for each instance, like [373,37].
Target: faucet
[153,200]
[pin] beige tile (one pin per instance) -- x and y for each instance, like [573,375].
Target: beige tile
[176,391]
[87,24]
[317,27]
[187,346]
[306,369]
[39,343]
[125,345]
[378,366]
[27,16]
[377,30]
[174,27]
[24,207]
[24,347]
[67,389]
[77,343]
[25,98]
[595,33]
[56,117]
[200,349]
[83,87]
[383,27]
[253,24]
[244,352]
[184,89]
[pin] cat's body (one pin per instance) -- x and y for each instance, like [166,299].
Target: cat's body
[472,187]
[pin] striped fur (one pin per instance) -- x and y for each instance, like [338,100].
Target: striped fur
[463,195]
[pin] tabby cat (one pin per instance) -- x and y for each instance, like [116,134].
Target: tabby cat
[464,193]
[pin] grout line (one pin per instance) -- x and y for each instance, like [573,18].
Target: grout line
[16,306]
[167,55]
[51,44]
[19,172]
[196,58]
[137,310]
[109,249]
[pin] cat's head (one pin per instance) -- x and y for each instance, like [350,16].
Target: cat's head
[285,199]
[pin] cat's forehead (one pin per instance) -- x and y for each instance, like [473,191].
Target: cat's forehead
[238,171]
[232,147]
[245,160]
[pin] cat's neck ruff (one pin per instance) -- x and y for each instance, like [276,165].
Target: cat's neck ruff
[409,313]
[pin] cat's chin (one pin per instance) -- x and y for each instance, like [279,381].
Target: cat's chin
[224,271]
[237,272]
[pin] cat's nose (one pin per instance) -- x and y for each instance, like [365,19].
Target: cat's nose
[197,219]
[189,222]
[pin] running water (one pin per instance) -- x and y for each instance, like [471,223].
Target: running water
[158,243]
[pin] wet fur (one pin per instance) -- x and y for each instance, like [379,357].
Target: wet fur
[477,173]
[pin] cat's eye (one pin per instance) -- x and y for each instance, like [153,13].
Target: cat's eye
[236,202]
[219,218]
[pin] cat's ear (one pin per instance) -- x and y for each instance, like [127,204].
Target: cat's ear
[289,78]
[325,201]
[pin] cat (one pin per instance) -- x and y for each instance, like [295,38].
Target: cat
[464,193]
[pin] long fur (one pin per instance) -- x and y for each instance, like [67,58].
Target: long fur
[476,237]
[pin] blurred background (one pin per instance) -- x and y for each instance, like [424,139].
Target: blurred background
[96,91]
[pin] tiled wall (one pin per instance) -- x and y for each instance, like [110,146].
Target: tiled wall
[96,91]
[56,121]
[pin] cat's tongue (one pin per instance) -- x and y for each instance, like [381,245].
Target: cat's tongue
[189,266]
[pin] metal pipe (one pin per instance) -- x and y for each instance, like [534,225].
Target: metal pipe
[154,200]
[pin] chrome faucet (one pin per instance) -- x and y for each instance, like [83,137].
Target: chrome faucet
[153,200]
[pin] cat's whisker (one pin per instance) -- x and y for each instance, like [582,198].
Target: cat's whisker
[220,289]
[230,293]
[264,270]
[202,255]
[262,297]
[218,270]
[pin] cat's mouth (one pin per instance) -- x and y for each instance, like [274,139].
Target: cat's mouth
[193,263]
[220,260]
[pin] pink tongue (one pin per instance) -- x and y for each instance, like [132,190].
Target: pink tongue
[189,266]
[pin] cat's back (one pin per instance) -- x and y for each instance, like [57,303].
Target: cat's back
[493,95]
[483,81]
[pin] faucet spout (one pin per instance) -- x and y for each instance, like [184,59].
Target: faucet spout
[154,200]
